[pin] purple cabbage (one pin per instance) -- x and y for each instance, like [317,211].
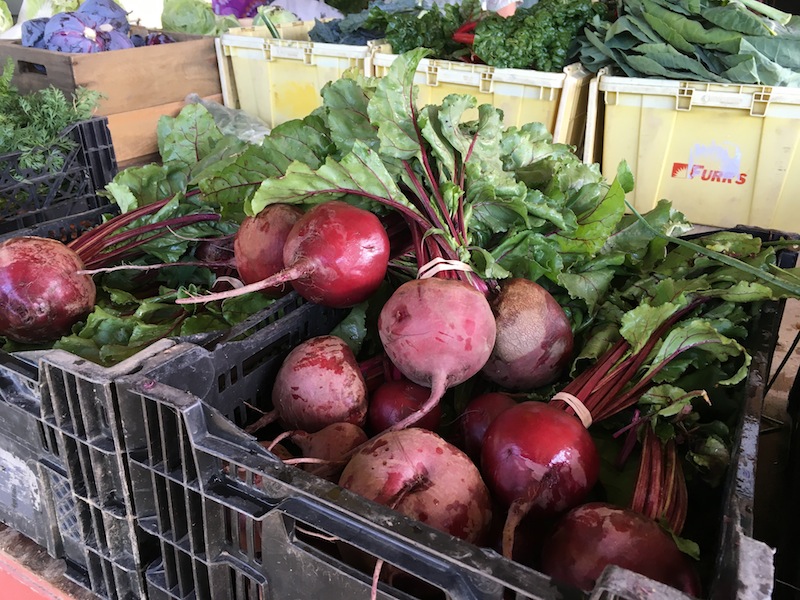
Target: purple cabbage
[73,32]
[106,12]
[115,39]
[33,32]
[154,38]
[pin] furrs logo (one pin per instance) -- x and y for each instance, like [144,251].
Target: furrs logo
[714,163]
[699,172]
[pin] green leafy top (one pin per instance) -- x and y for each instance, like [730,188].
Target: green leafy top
[507,201]
[32,124]
[742,41]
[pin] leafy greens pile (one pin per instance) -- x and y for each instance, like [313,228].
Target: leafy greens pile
[736,41]
[32,123]
[542,37]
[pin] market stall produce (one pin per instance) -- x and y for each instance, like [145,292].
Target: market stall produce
[404,347]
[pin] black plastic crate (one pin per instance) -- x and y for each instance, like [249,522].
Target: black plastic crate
[262,521]
[25,502]
[265,524]
[104,550]
[67,228]
[73,407]
[66,185]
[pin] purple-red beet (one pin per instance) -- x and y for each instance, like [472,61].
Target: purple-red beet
[537,459]
[335,255]
[320,383]
[438,333]
[393,401]
[330,445]
[534,337]
[476,418]
[592,536]
[41,294]
[259,243]
[417,473]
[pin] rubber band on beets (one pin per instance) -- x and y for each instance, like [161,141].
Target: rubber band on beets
[439,264]
[575,404]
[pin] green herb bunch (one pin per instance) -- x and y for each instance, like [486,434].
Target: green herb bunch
[540,38]
[32,123]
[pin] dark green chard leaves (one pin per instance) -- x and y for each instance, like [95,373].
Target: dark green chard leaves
[707,40]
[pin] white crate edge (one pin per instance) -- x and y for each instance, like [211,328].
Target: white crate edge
[449,71]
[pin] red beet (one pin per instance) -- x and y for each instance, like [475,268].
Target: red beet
[417,473]
[439,333]
[259,243]
[478,415]
[335,255]
[393,401]
[595,535]
[534,337]
[331,445]
[41,294]
[319,383]
[537,459]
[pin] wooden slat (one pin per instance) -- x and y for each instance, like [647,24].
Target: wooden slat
[130,79]
[134,132]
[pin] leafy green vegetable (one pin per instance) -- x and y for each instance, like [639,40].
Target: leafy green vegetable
[510,202]
[707,40]
[418,27]
[122,324]
[195,17]
[541,37]
[33,123]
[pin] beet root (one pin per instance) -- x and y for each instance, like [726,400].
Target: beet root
[259,242]
[417,473]
[331,445]
[41,293]
[534,337]
[537,459]
[320,383]
[393,401]
[595,535]
[438,333]
[476,418]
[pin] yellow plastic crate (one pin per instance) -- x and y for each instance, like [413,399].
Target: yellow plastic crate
[556,99]
[723,154]
[280,79]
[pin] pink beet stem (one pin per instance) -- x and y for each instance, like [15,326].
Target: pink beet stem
[293,273]
[438,388]
[263,421]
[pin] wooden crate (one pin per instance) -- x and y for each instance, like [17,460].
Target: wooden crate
[138,84]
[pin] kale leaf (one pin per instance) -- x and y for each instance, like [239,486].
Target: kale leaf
[542,37]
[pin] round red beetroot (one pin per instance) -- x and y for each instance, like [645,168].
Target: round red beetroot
[595,535]
[259,242]
[319,383]
[417,473]
[478,415]
[534,450]
[393,401]
[438,333]
[41,294]
[340,252]
[534,337]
